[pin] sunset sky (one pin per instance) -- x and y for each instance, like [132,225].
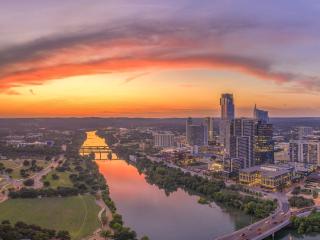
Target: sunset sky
[151,58]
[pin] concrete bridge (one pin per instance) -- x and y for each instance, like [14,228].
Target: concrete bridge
[96,150]
[268,226]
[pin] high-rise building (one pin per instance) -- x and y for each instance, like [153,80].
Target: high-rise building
[305,151]
[260,115]
[227,115]
[208,121]
[242,140]
[227,106]
[304,132]
[189,122]
[196,134]
[263,143]
[163,139]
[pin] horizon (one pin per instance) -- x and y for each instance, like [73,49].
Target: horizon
[156,59]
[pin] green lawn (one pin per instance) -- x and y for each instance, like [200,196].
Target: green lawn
[78,215]
[63,181]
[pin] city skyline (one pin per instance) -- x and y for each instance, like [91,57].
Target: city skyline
[124,58]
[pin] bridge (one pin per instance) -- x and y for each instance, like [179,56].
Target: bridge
[96,150]
[268,226]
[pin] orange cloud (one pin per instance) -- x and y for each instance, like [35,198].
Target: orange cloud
[136,48]
[40,75]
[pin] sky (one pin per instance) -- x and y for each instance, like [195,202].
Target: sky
[150,58]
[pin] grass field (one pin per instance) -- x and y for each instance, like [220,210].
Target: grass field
[78,215]
[63,181]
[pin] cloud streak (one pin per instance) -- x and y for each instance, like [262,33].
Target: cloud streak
[138,47]
[134,77]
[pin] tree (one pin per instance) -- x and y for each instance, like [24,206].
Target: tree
[9,170]
[1,167]
[46,183]
[63,235]
[106,234]
[26,163]
[145,238]
[28,182]
[55,176]
[296,190]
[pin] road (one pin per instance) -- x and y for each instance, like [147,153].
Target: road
[256,229]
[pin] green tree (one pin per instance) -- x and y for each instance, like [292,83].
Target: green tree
[106,234]
[63,235]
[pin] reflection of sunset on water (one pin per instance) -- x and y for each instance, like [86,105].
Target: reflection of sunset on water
[149,211]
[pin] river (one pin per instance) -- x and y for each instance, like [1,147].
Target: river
[149,211]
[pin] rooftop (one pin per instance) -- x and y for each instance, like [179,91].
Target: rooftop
[267,170]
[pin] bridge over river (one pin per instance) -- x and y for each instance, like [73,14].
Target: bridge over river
[268,226]
[101,151]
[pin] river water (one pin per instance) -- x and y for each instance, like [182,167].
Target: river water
[149,211]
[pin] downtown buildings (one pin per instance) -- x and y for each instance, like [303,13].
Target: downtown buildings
[247,141]
[267,176]
[197,134]
[163,140]
[305,151]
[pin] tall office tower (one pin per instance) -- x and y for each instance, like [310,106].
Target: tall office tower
[304,132]
[208,121]
[242,140]
[260,115]
[188,123]
[227,106]
[263,143]
[227,115]
[305,151]
[196,134]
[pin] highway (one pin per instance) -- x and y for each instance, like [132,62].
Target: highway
[266,227]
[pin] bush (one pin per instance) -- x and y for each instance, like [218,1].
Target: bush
[300,202]
[28,182]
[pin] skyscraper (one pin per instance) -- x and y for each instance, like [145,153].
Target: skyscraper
[242,140]
[188,123]
[260,115]
[263,143]
[208,121]
[227,106]
[227,115]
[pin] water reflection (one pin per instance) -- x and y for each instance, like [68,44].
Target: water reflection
[147,209]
